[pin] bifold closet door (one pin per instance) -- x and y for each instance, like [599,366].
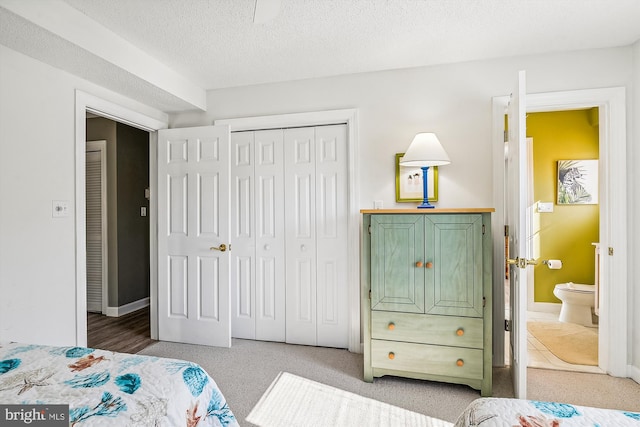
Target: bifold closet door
[257,235]
[316,235]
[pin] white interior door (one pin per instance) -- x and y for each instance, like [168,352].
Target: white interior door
[96,225]
[516,219]
[193,236]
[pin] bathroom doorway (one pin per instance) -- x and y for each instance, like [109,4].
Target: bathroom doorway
[564,231]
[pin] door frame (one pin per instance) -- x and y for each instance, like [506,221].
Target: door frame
[101,146]
[86,102]
[328,117]
[613,342]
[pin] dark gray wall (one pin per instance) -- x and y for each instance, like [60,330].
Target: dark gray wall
[133,229]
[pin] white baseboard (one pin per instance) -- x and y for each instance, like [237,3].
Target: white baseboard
[128,308]
[634,373]
[544,307]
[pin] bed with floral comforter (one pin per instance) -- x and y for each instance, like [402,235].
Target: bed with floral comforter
[103,388]
[501,412]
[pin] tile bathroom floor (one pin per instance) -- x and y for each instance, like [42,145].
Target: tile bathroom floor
[541,357]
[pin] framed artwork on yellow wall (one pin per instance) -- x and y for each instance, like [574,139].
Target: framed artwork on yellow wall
[577,182]
[409,182]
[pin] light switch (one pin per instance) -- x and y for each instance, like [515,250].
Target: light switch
[59,208]
[143,211]
[377,204]
[545,207]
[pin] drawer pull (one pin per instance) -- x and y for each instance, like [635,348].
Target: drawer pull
[419,264]
[460,362]
[429,265]
[392,355]
[391,326]
[460,332]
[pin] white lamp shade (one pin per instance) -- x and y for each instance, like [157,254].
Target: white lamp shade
[425,150]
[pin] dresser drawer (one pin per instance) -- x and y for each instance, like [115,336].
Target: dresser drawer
[427,329]
[427,359]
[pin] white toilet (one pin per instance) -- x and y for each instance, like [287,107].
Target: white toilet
[577,302]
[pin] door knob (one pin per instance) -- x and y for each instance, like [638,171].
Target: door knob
[521,262]
[220,248]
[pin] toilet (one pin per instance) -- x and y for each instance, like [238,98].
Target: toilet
[577,302]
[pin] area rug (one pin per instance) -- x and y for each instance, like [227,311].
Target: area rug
[575,344]
[294,401]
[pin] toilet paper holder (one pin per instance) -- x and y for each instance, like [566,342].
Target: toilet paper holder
[553,264]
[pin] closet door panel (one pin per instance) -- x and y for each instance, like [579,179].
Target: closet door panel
[270,236]
[300,216]
[242,236]
[331,233]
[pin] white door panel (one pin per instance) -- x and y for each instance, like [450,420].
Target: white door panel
[331,232]
[242,236]
[193,218]
[516,210]
[269,250]
[315,163]
[300,210]
[258,235]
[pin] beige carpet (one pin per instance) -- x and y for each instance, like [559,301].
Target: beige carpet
[295,401]
[572,343]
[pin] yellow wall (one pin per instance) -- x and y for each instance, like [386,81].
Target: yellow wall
[567,232]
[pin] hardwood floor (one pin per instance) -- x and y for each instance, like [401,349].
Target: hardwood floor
[124,334]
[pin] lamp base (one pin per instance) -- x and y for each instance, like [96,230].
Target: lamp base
[425,205]
[425,190]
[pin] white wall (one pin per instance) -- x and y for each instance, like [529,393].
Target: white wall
[453,100]
[37,166]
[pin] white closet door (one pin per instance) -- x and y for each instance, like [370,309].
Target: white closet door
[270,241]
[257,211]
[331,236]
[300,214]
[96,222]
[316,235]
[242,236]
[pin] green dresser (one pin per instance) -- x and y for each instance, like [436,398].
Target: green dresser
[426,295]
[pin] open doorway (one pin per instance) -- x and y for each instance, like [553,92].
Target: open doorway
[118,240]
[612,345]
[563,153]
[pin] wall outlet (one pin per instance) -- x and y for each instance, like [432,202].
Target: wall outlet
[377,204]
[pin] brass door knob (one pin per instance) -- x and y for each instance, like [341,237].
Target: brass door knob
[419,264]
[391,326]
[392,355]
[220,248]
[460,332]
[429,265]
[460,362]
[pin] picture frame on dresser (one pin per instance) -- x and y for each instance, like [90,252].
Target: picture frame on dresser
[409,182]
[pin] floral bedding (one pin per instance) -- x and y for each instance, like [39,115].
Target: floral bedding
[494,412]
[103,388]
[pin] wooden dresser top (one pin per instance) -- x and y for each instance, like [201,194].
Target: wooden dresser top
[426,211]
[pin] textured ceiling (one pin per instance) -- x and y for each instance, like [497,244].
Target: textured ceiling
[215,44]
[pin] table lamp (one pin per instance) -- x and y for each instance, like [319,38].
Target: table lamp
[425,150]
